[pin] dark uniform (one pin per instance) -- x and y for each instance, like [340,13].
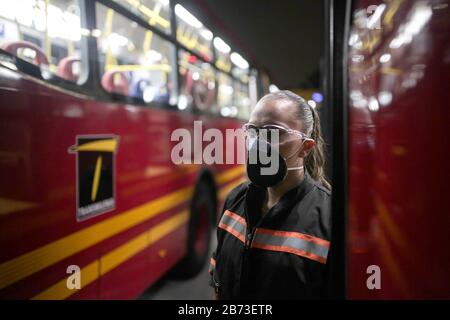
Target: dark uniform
[282,255]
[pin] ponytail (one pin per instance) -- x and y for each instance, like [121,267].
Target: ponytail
[315,160]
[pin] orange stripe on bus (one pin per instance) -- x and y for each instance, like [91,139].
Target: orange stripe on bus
[302,236]
[298,252]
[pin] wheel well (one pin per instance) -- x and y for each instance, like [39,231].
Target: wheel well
[206,176]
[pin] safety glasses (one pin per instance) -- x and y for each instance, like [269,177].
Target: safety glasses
[270,131]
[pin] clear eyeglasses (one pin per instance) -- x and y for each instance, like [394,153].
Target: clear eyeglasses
[270,131]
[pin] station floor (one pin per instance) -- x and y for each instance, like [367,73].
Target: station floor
[196,288]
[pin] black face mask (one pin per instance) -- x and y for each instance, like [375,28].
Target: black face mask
[265,166]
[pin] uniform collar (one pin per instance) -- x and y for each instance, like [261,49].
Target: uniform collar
[255,195]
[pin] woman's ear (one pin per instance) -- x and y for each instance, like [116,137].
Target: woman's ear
[308,144]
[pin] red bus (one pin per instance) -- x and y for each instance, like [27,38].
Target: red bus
[388,100]
[90,92]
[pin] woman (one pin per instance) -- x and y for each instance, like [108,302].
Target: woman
[274,232]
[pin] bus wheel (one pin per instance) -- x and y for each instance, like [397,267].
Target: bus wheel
[199,233]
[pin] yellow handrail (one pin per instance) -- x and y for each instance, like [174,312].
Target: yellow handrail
[150,13]
[137,67]
[149,34]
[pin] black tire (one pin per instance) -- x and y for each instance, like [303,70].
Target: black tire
[199,233]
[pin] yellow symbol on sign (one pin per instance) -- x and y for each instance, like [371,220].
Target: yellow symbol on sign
[98,168]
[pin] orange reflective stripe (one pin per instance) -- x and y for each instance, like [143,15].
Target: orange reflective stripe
[232,231]
[298,252]
[297,243]
[306,237]
[234,224]
[212,265]
[235,217]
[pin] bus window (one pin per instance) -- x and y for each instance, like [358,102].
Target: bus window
[222,50]
[198,88]
[155,12]
[242,99]
[192,34]
[134,61]
[253,87]
[240,67]
[225,96]
[240,70]
[44,33]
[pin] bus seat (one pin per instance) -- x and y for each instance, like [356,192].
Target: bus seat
[65,69]
[163,95]
[203,96]
[115,82]
[137,87]
[14,46]
[188,82]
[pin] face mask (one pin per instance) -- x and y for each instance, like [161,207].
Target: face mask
[265,166]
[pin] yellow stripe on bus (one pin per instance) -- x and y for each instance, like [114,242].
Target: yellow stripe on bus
[225,190]
[31,262]
[125,251]
[230,174]
[40,258]
[116,257]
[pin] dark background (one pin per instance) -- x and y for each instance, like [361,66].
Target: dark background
[283,37]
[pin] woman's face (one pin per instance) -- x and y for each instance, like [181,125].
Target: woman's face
[283,113]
